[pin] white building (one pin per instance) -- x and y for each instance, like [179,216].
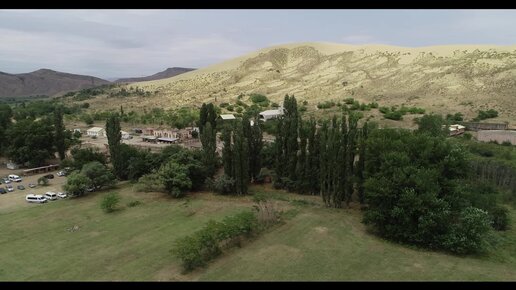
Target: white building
[125,135]
[96,131]
[271,114]
[227,117]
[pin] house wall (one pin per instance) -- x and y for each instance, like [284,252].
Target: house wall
[497,135]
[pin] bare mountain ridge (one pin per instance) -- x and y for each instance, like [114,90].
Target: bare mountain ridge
[169,72]
[45,82]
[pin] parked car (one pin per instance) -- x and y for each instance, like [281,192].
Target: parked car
[62,194]
[10,188]
[61,173]
[14,177]
[20,187]
[6,180]
[2,190]
[37,198]
[90,189]
[49,176]
[32,185]
[50,195]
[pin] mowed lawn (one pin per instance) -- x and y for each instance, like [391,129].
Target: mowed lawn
[314,243]
[130,244]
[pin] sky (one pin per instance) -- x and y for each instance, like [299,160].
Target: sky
[133,43]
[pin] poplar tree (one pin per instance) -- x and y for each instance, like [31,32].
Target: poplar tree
[114,135]
[209,148]
[59,136]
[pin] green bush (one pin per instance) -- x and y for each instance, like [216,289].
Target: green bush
[134,203]
[223,105]
[482,115]
[467,236]
[230,108]
[384,110]
[395,115]
[373,105]
[349,101]
[500,218]
[43,181]
[221,185]
[258,98]
[204,245]
[326,105]
[109,202]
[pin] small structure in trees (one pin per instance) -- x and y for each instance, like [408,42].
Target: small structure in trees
[271,114]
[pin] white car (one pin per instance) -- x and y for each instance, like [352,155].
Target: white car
[37,198]
[14,177]
[6,180]
[61,173]
[10,188]
[50,195]
[62,195]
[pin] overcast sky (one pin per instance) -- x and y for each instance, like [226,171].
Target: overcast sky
[131,43]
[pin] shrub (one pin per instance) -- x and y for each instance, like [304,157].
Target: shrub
[506,143]
[204,245]
[134,203]
[467,236]
[373,105]
[395,115]
[384,110]
[239,109]
[482,115]
[326,105]
[221,185]
[258,98]
[229,108]
[43,181]
[223,105]
[500,218]
[109,202]
[275,105]
[349,101]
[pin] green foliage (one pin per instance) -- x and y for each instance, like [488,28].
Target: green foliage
[209,147]
[373,105]
[224,105]
[259,99]
[98,174]
[468,234]
[152,182]
[175,178]
[482,115]
[455,118]
[204,245]
[349,101]
[30,142]
[384,110]
[326,105]
[114,135]
[43,181]
[221,185]
[87,119]
[134,203]
[82,156]
[394,115]
[413,192]
[76,184]
[109,202]
[433,125]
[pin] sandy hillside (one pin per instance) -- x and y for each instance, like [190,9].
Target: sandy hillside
[442,79]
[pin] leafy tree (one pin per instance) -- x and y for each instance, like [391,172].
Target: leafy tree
[82,156]
[99,175]
[151,182]
[109,202]
[432,124]
[175,178]
[30,141]
[413,192]
[77,184]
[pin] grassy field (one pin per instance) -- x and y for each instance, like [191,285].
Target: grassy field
[133,243]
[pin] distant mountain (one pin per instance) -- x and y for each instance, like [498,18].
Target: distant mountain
[44,82]
[168,73]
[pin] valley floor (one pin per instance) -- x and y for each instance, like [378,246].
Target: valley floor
[133,243]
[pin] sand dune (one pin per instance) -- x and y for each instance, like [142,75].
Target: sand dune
[450,78]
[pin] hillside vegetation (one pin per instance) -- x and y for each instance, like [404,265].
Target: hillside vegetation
[441,79]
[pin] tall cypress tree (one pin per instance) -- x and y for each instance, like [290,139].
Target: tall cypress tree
[227,151]
[323,177]
[203,117]
[211,115]
[361,164]
[254,137]
[114,135]
[209,148]
[59,136]
[352,135]
[240,160]
[313,165]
